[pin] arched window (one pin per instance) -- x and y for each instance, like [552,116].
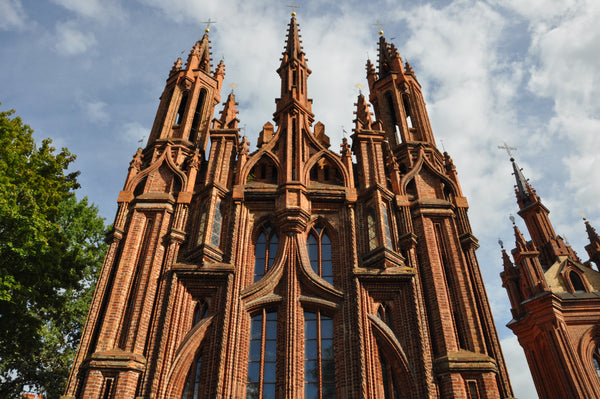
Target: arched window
[215,238]
[596,360]
[264,252]
[319,363]
[200,311]
[576,282]
[319,253]
[181,108]
[262,356]
[372,229]
[387,377]
[191,389]
[198,115]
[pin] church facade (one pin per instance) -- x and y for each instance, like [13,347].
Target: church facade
[290,271]
[555,302]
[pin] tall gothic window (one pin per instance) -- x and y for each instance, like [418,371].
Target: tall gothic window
[386,227]
[319,252]
[261,359]
[319,365]
[181,108]
[192,383]
[215,238]
[372,229]
[264,252]
[387,377]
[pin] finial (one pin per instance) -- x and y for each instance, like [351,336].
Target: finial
[233,86]
[512,219]
[443,148]
[359,86]
[344,132]
[500,243]
[508,149]
[582,215]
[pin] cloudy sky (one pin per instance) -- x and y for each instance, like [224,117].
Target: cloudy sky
[88,73]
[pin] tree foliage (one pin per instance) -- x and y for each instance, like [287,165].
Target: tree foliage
[51,248]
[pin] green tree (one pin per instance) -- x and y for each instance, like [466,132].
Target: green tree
[51,249]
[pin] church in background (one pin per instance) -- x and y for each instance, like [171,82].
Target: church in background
[555,300]
[293,269]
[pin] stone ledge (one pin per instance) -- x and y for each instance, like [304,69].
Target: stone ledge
[117,359]
[464,361]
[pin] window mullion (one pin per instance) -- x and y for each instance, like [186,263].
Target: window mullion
[262,353]
[319,357]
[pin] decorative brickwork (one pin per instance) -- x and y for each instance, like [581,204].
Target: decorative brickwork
[555,302]
[290,271]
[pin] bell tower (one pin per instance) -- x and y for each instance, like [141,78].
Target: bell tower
[289,270]
[554,301]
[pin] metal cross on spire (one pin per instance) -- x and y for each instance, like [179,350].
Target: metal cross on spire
[208,24]
[293,6]
[507,148]
[379,26]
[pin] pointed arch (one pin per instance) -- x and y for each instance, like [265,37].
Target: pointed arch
[423,162]
[333,160]
[165,157]
[394,354]
[264,171]
[255,159]
[184,357]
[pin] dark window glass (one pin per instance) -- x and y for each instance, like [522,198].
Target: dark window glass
[319,364]
[386,227]
[262,356]
[192,384]
[181,109]
[265,250]
[576,281]
[389,385]
[319,253]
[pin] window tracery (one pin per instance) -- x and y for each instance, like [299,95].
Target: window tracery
[262,356]
[319,362]
[264,252]
[319,253]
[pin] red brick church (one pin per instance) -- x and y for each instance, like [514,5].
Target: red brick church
[555,302]
[293,270]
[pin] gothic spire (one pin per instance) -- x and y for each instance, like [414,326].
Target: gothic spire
[294,73]
[229,113]
[522,185]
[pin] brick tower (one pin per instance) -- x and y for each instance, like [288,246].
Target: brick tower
[290,271]
[555,302]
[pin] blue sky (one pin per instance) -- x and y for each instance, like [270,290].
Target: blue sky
[88,73]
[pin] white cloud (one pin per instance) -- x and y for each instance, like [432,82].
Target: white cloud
[72,41]
[100,10]
[13,15]
[133,132]
[95,111]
